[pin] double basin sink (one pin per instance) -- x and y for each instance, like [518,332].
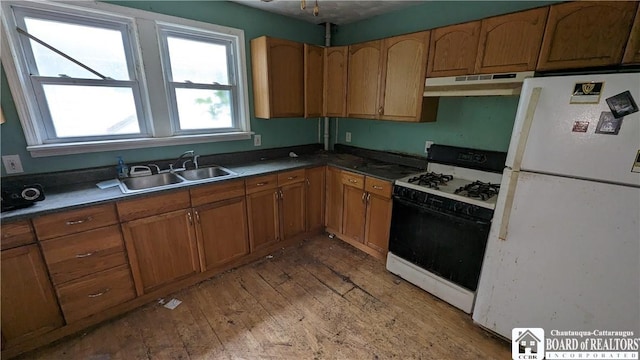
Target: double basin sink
[168,180]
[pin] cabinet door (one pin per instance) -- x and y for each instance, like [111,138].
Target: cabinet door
[262,210]
[336,61]
[313,78]
[632,52]
[315,198]
[161,249]
[453,49]
[353,215]
[333,210]
[585,34]
[363,80]
[278,77]
[378,223]
[292,202]
[29,306]
[404,64]
[222,232]
[511,42]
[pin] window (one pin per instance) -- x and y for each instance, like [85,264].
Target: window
[95,77]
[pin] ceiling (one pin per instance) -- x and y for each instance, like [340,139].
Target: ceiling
[335,12]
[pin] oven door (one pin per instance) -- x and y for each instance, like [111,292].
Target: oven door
[444,244]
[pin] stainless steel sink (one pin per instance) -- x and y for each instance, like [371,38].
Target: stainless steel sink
[205,173]
[150,181]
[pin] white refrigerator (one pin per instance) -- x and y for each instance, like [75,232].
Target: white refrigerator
[564,247]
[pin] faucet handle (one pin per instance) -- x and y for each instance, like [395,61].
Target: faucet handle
[155,166]
[195,160]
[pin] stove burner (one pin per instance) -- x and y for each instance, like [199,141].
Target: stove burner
[479,189]
[431,180]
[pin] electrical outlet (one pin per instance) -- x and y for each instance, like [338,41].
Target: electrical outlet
[12,164]
[427,145]
[257,140]
[348,137]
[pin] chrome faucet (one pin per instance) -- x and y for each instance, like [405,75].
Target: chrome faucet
[172,167]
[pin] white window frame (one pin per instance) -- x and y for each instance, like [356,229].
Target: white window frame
[154,93]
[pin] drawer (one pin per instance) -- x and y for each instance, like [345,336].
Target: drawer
[351,179]
[74,256]
[216,192]
[261,183]
[153,205]
[17,234]
[378,187]
[74,221]
[291,177]
[93,294]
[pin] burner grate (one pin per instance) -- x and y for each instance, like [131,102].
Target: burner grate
[431,180]
[479,189]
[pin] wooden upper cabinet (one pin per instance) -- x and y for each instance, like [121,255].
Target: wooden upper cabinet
[404,63]
[313,79]
[453,49]
[632,52]
[363,79]
[278,77]
[336,61]
[586,34]
[511,42]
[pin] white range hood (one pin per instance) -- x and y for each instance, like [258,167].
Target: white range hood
[476,85]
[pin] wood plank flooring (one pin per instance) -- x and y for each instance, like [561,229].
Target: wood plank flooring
[322,299]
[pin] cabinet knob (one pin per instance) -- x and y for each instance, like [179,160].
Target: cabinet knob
[262,183]
[353,181]
[292,177]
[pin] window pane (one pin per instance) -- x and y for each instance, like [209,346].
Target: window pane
[91,110]
[98,48]
[198,61]
[204,109]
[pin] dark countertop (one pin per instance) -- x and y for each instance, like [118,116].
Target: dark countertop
[60,198]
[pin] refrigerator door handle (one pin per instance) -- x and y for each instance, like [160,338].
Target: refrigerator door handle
[526,127]
[508,204]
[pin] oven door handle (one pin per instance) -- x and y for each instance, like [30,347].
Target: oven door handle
[440,214]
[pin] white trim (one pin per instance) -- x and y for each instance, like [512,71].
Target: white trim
[124,144]
[145,46]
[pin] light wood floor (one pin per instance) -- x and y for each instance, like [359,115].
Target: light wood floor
[320,300]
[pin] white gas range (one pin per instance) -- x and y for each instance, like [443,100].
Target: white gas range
[441,220]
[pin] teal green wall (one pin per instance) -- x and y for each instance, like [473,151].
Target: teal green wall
[477,122]
[255,23]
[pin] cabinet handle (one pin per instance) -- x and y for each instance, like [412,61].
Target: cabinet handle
[380,110]
[377,187]
[262,183]
[99,294]
[308,182]
[190,218]
[277,195]
[353,181]
[81,221]
[363,196]
[368,197]
[80,256]
[197,216]
[292,177]
[281,194]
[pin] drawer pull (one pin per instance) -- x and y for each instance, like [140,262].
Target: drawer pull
[353,181]
[80,256]
[292,177]
[377,187]
[81,221]
[99,294]
[262,183]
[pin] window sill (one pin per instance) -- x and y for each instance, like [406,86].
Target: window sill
[107,145]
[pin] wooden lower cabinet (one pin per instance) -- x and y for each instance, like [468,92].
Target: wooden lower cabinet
[334,195]
[222,232]
[353,213]
[161,249]
[314,198]
[378,221]
[292,208]
[29,305]
[263,216]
